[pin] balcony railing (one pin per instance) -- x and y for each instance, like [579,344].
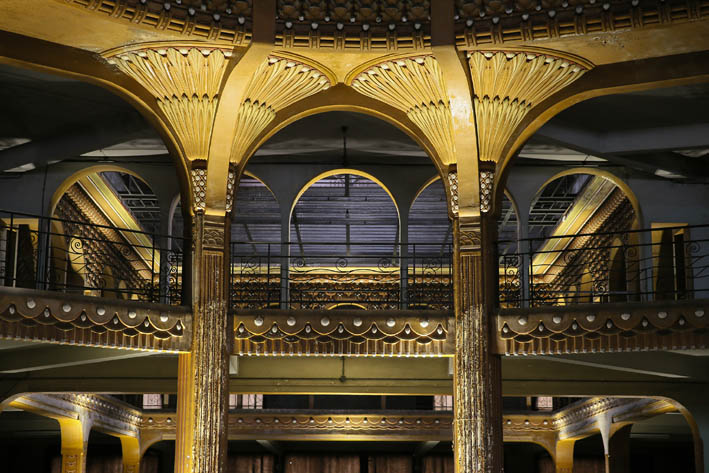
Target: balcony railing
[368,276]
[661,263]
[83,258]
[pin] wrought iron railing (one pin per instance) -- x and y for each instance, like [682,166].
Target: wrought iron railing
[661,263]
[368,276]
[84,258]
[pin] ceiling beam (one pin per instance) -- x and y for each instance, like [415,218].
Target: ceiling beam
[81,138]
[646,159]
[45,357]
[664,364]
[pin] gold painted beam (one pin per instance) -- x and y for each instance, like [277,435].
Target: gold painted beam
[594,194]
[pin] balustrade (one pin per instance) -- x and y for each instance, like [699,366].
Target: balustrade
[661,263]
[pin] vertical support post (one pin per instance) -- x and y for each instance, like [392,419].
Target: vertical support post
[130,447]
[206,380]
[564,456]
[183,441]
[43,230]
[285,257]
[74,434]
[477,378]
[404,259]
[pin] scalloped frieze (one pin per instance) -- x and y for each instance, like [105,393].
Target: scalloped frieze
[72,319]
[603,328]
[341,333]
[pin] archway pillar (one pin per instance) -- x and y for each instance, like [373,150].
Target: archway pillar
[564,456]
[203,374]
[130,447]
[74,442]
[477,425]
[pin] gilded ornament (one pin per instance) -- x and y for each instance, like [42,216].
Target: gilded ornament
[416,86]
[507,84]
[185,82]
[276,84]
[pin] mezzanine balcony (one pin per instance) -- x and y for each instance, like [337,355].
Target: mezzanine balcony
[79,282]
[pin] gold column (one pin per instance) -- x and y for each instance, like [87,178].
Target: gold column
[477,377]
[74,442]
[564,456]
[203,375]
[183,440]
[130,447]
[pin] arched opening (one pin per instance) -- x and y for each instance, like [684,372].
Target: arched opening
[581,246]
[255,246]
[103,453]
[430,235]
[337,178]
[509,258]
[344,245]
[103,239]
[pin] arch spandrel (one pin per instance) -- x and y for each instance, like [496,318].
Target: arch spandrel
[52,58]
[343,98]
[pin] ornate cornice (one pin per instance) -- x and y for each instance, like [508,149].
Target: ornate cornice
[225,21]
[91,321]
[278,82]
[488,22]
[185,80]
[507,84]
[116,418]
[342,333]
[608,328]
[416,86]
[354,24]
[108,415]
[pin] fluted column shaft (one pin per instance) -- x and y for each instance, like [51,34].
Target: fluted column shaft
[477,377]
[203,388]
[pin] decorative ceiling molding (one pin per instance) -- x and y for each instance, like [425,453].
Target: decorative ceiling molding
[490,22]
[278,82]
[416,86]
[507,84]
[226,21]
[185,80]
[358,24]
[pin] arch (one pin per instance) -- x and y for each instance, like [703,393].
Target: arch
[254,176]
[74,178]
[238,205]
[624,77]
[423,188]
[345,99]
[431,182]
[85,66]
[335,172]
[621,184]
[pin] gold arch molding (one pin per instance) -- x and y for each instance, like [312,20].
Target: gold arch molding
[621,184]
[346,101]
[335,172]
[96,169]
